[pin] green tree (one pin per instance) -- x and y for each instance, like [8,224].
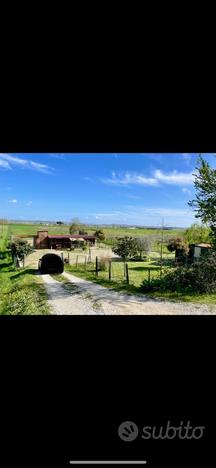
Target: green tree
[99,235]
[197,233]
[20,248]
[74,226]
[126,247]
[82,232]
[204,203]
[179,246]
[143,245]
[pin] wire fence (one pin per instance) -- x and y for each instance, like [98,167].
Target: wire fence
[115,269]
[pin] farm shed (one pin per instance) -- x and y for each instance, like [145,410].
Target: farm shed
[45,241]
[197,251]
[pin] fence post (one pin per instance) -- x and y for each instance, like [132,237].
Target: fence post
[127,273]
[68,258]
[77,260]
[149,275]
[96,266]
[85,262]
[62,256]
[110,270]
[124,269]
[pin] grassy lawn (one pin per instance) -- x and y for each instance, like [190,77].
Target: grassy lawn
[21,290]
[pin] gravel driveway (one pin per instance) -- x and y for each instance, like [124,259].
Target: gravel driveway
[68,302]
[87,298]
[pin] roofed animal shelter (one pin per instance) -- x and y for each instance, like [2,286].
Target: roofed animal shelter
[197,251]
[45,241]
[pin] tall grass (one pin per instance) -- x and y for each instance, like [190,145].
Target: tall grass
[21,290]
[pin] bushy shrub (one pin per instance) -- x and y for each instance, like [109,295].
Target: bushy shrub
[104,263]
[126,247]
[100,236]
[178,244]
[20,247]
[199,277]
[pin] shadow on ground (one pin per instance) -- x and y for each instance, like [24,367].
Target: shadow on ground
[144,268]
[28,271]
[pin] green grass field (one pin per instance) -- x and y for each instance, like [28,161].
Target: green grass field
[31,229]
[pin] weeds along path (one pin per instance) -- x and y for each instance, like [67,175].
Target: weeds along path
[65,300]
[118,303]
[76,296]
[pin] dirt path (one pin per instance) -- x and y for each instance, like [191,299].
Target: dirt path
[87,298]
[68,302]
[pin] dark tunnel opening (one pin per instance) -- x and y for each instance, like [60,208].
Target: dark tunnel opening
[51,264]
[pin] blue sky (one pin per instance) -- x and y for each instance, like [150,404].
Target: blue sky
[136,189]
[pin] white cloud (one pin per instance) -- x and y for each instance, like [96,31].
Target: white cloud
[186,191]
[13,201]
[7,161]
[130,179]
[4,164]
[40,167]
[175,177]
[159,177]
[29,203]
